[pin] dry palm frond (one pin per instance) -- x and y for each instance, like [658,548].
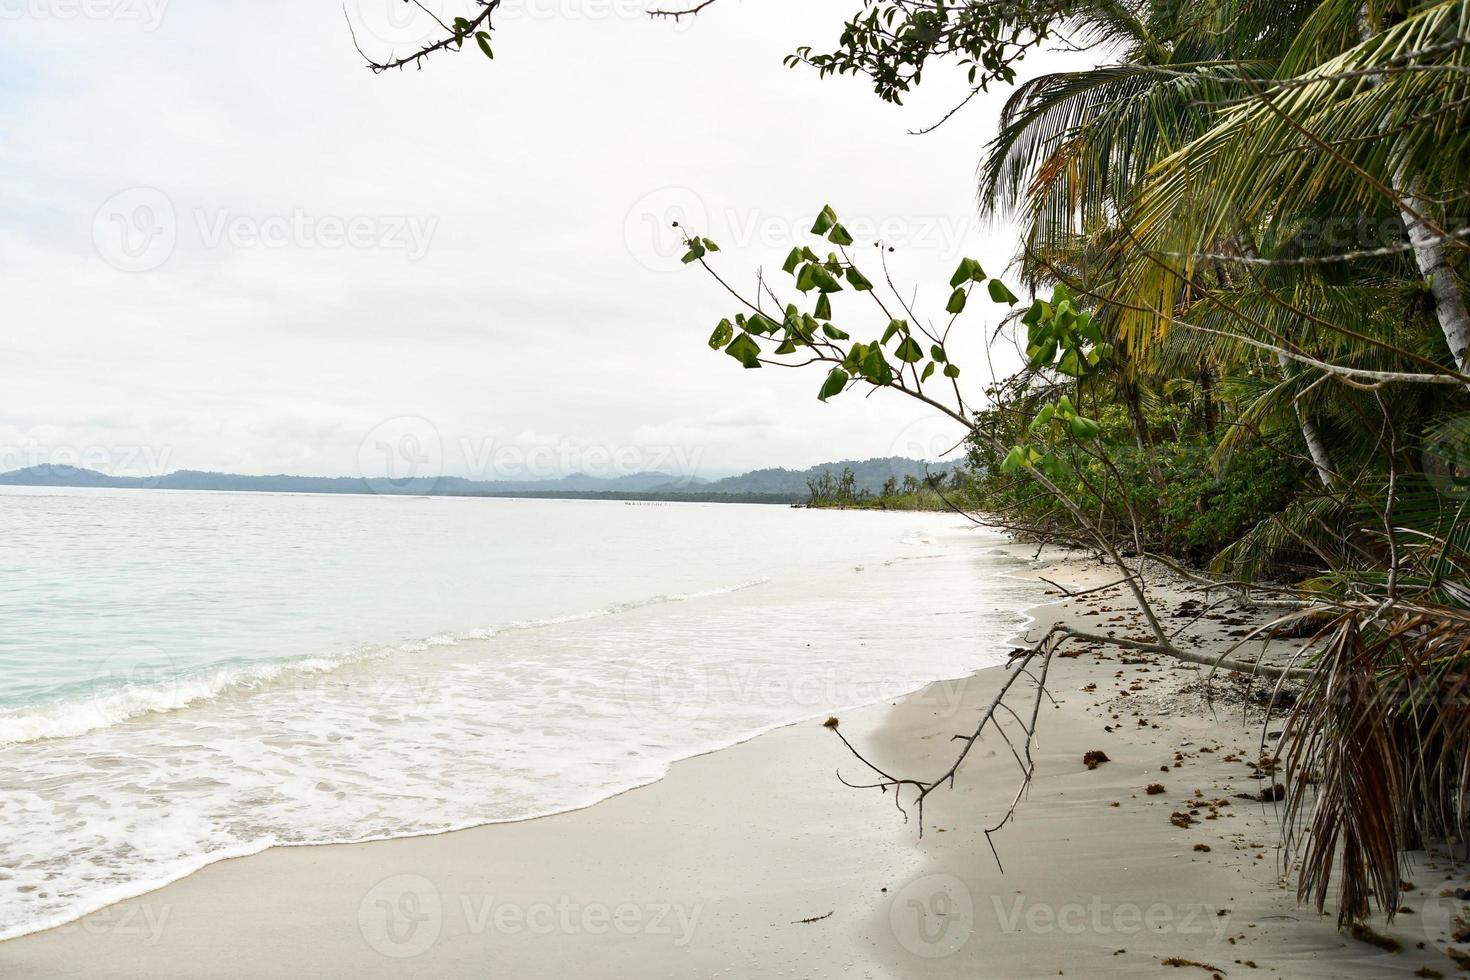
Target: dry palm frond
[1375,752]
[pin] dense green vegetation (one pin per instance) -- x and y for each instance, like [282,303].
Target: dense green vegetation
[1182,502]
[937,490]
[868,476]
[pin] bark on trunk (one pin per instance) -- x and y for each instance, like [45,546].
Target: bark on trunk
[1207,391]
[1429,251]
[1141,433]
[1311,435]
[1434,266]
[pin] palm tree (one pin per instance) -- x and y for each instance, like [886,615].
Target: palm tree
[1075,149]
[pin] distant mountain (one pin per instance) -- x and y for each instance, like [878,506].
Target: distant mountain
[869,474]
[64,476]
[769,485]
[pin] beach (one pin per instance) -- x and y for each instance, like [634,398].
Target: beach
[470,509]
[756,860]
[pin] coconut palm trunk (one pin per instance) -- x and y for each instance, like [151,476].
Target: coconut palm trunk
[1428,246]
[1434,266]
[1311,435]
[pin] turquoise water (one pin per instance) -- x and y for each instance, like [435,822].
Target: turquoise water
[99,588]
[191,676]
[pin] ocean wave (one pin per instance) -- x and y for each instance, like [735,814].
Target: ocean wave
[69,717]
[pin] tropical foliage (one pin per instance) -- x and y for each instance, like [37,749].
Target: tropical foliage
[934,491]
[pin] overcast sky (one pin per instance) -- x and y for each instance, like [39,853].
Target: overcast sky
[227,245]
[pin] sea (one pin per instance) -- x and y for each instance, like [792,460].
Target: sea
[191,676]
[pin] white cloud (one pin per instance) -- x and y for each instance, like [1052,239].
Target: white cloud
[542,301]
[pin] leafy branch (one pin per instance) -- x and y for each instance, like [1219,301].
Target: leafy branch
[1063,341]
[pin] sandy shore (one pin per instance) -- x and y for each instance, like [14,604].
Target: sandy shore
[756,861]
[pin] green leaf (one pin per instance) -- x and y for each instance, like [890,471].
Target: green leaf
[839,235]
[825,221]
[787,347]
[1065,318]
[792,319]
[1044,416]
[484,42]
[894,327]
[824,280]
[1053,466]
[824,307]
[833,333]
[1088,328]
[836,381]
[1071,364]
[710,245]
[1014,460]
[937,352]
[695,253]
[1000,293]
[956,302]
[951,370]
[722,335]
[1038,335]
[792,261]
[968,271]
[760,323]
[961,274]
[806,279]
[859,281]
[928,370]
[1040,312]
[1043,354]
[745,350]
[875,366]
[1084,428]
[909,351]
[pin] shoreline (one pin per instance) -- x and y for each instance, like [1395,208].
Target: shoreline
[754,857]
[137,890]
